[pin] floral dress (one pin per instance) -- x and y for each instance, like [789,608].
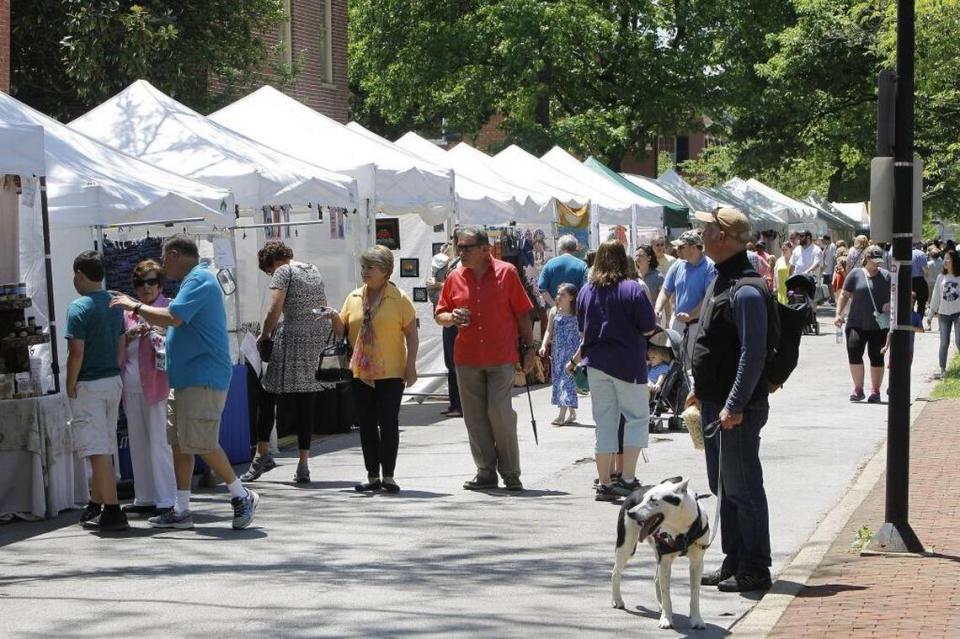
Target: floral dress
[566,338]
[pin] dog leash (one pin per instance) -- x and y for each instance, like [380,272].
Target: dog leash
[710,431]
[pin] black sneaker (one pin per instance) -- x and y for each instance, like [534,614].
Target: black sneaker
[90,511]
[479,483]
[857,396]
[874,398]
[259,466]
[605,493]
[744,583]
[108,520]
[625,488]
[370,486]
[513,484]
[302,476]
[714,578]
[390,487]
[139,509]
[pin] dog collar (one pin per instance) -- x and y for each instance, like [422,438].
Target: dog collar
[668,544]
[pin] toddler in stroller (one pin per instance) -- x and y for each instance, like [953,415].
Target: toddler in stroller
[667,380]
[800,296]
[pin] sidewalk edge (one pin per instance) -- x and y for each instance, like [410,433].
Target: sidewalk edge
[761,619]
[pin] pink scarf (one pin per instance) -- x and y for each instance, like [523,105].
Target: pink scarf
[367,361]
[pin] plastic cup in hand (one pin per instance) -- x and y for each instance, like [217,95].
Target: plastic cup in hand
[839,336]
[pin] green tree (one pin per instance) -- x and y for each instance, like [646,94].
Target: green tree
[597,77]
[67,56]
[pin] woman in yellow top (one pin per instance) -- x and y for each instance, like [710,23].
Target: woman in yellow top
[782,269]
[381,325]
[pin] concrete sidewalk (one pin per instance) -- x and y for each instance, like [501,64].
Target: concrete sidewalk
[853,596]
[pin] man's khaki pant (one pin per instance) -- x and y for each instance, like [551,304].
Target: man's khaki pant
[486,396]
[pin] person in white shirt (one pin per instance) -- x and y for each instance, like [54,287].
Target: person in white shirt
[945,304]
[829,260]
[806,257]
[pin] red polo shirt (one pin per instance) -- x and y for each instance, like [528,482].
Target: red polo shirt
[495,302]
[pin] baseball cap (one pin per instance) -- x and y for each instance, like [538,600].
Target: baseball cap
[729,219]
[874,253]
[688,238]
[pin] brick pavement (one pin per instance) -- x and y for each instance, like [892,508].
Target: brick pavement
[851,596]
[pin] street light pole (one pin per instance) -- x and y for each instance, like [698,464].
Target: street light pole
[896,535]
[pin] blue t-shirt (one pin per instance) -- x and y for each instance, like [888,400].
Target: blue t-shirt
[918,263]
[198,351]
[563,269]
[689,282]
[916,320]
[91,320]
[653,375]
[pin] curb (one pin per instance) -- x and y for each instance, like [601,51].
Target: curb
[763,617]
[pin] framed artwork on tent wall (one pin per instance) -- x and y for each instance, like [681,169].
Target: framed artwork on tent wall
[438,228]
[409,267]
[420,294]
[388,233]
[436,247]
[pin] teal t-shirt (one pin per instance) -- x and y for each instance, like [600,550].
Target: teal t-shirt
[198,351]
[91,320]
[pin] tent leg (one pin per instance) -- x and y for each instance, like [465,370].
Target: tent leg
[48,267]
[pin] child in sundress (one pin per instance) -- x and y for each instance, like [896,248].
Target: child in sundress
[563,338]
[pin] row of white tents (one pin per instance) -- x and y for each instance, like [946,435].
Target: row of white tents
[142,157]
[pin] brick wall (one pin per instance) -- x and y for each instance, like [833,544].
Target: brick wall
[5,46]
[311,87]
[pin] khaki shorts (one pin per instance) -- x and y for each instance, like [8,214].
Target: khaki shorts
[93,416]
[193,419]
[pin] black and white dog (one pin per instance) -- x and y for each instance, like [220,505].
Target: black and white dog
[670,519]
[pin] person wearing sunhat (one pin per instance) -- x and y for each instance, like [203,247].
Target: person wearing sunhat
[686,282]
[866,292]
[728,384]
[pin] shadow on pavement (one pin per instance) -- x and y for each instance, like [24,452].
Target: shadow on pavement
[828,590]
[681,623]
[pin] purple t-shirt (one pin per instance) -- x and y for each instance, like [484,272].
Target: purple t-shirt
[613,320]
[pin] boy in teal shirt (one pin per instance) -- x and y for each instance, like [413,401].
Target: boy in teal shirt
[94,387]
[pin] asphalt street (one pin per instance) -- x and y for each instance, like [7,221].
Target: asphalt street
[435,560]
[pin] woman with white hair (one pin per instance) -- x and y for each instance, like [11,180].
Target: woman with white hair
[381,324]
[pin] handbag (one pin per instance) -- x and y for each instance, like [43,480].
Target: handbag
[334,364]
[882,319]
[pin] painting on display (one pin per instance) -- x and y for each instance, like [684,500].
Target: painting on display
[409,267]
[388,233]
[575,222]
[420,294]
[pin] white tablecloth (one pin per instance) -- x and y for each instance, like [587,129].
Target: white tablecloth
[39,473]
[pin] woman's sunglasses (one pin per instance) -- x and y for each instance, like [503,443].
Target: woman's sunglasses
[150,281]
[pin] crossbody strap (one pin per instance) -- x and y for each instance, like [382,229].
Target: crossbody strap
[870,291]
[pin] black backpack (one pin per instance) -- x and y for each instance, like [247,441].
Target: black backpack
[784,330]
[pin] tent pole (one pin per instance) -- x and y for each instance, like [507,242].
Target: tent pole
[48,267]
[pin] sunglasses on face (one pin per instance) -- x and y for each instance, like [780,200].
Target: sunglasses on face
[150,281]
[466,247]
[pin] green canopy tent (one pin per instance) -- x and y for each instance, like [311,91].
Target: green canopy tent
[674,215]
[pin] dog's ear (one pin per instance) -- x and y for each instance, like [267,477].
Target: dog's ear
[682,488]
[672,499]
[672,480]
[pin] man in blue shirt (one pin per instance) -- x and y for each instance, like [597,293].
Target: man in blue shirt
[565,268]
[918,273]
[94,387]
[198,366]
[686,282]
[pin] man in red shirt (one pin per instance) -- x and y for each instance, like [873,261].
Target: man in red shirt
[485,300]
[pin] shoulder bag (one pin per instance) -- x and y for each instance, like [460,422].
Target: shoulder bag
[882,319]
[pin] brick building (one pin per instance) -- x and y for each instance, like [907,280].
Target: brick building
[5,46]
[315,37]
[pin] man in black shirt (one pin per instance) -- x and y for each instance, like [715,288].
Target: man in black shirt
[729,355]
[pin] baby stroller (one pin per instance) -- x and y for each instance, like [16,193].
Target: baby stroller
[667,404]
[800,296]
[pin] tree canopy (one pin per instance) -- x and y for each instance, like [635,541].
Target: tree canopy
[68,56]
[788,85]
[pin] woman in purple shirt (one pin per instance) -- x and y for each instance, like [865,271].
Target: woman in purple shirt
[615,316]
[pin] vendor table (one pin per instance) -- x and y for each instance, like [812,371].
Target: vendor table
[39,473]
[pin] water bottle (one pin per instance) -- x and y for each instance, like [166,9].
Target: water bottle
[839,336]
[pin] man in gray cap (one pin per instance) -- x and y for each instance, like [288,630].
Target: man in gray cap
[686,282]
[729,384]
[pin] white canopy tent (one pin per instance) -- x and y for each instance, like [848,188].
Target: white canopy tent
[535,194]
[856,211]
[90,184]
[645,213]
[478,183]
[476,203]
[145,123]
[798,215]
[654,187]
[393,182]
